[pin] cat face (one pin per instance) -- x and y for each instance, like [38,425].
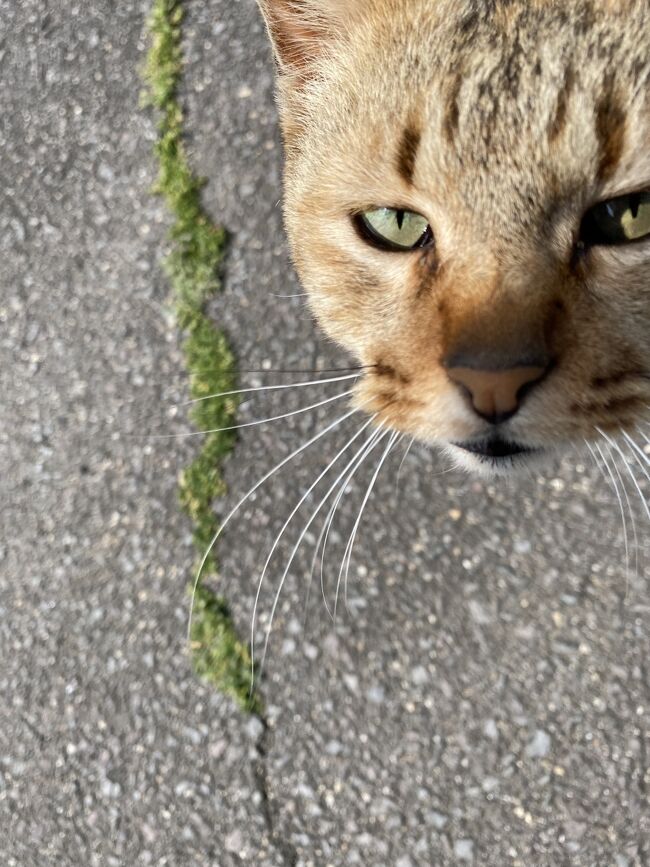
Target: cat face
[467,205]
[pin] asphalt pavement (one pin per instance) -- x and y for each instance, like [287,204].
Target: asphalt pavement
[483,696]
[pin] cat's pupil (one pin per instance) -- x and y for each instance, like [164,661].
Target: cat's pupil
[399,215]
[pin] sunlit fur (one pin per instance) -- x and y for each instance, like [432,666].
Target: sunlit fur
[501,121]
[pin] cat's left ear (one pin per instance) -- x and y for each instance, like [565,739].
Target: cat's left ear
[300,30]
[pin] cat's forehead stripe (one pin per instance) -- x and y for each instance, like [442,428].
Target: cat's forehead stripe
[452,113]
[408,150]
[559,121]
[610,129]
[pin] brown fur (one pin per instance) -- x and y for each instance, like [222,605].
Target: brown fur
[559,122]
[408,150]
[501,121]
[610,127]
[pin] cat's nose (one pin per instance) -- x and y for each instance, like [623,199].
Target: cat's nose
[497,394]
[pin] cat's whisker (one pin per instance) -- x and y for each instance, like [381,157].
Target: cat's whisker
[248,371]
[306,371]
[325,532]
[295,549]
[327,524]
[395,439]
[632,518]
[172,407]
[641,457]
[285,415]
[277,387]
[628,467]
[620,505]
[323,535]
[637,447]
[642,460]
[347,556]
[597,462]
[402,462]
[285,526]
[330,427]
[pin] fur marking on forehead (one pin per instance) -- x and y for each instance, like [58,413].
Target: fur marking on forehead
[610,129]
[408,150]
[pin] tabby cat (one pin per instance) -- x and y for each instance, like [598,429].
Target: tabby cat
[468,206]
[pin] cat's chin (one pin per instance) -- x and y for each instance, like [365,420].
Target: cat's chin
[494,456]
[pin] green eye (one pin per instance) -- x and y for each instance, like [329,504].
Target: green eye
[618,221]
[394,229]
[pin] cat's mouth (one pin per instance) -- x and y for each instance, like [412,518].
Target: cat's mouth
[496,449]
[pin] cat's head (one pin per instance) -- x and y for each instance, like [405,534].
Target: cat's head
[468,206]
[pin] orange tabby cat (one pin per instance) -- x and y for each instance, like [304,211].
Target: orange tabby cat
[468,206]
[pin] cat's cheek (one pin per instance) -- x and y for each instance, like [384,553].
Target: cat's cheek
[354,303]
[345,317]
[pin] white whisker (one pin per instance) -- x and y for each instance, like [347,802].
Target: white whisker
[294,551]
[251,423]
[327,524]
[277,387]
[286,525]
[632,518]
[639,451]
[276,468]
[348,551]
[402,462]
[597,462]
[622,510]
[644,436]
[628,467]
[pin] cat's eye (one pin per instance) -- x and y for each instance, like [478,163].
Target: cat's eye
[394,229]
[618,221]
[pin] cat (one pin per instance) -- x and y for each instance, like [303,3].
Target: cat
[467,200]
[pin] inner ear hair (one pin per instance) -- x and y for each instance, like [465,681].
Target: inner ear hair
[301,29]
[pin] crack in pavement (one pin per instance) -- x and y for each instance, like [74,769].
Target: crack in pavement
[261,775]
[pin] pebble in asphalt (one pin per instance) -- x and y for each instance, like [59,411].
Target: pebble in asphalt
[484,696]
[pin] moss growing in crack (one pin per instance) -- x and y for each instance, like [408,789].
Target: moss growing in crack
[197,248]
[218,654]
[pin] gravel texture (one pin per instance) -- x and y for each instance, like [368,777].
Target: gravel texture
[484,696]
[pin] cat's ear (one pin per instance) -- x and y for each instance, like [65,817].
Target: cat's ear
[301,30]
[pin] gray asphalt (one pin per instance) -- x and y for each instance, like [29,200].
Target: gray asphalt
[483,698]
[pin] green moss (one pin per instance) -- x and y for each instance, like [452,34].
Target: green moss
[218,656]
[193,264]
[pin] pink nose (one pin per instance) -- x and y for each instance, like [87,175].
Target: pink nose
[497,394]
